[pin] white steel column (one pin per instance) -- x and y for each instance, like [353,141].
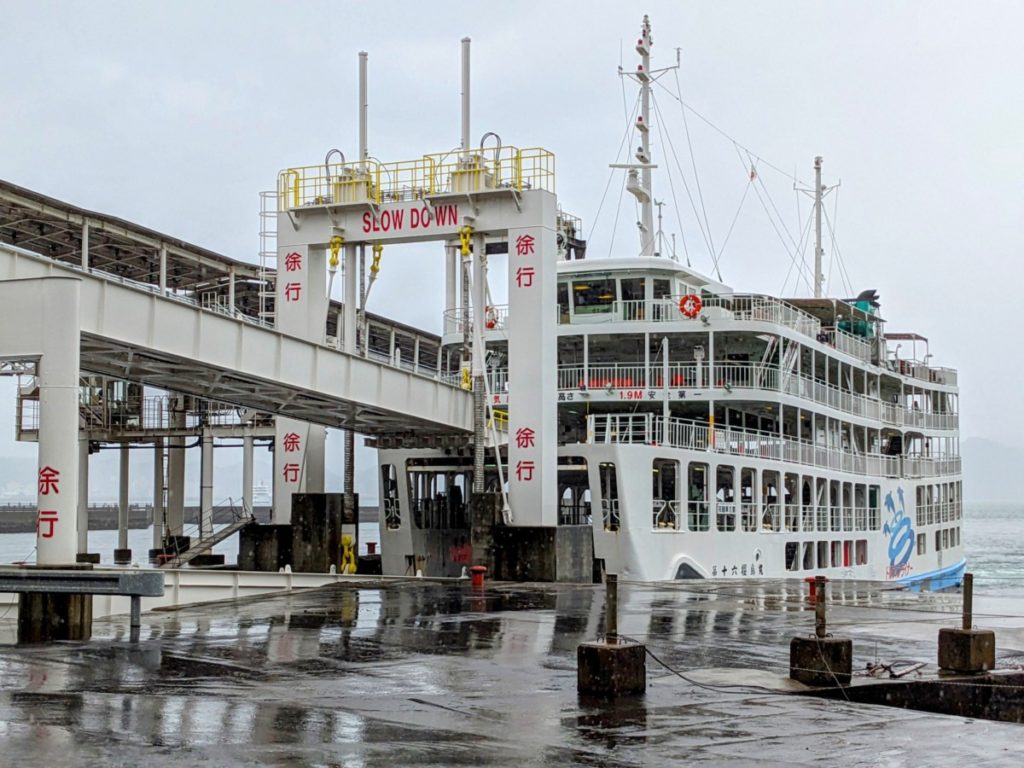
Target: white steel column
[176,471]
[122,497]
[465,93]
[83,493]
[206,487]
[451,271]
[247,473]
[158,493]
[85,250]
[351,303]
[163,269]
[231,289]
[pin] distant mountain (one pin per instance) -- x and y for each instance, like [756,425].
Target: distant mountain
[991,470]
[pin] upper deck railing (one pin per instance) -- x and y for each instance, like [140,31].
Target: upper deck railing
[648,429]
[459,171]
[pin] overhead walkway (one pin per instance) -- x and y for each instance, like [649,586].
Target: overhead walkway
[132,331]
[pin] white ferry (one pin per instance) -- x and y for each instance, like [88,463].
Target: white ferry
[706,433]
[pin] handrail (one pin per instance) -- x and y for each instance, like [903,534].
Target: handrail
[648,429]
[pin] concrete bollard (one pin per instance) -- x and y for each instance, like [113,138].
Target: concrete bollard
[967,650]
[821,660]
[616,666]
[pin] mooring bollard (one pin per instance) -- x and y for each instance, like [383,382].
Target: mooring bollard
[611,608]
[968,601]
[820,627]
[967,650]
[616,666]
[820,660]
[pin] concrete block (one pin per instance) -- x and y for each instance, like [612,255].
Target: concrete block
[206,560]
[122,556]
[821,661]
[610,670]
[47,616]
[967,650]
[264,547]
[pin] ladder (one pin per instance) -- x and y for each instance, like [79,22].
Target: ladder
[789,364]
[762,370]
[268,255]
[207,543]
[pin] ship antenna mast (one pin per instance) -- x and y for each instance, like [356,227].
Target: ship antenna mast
[638,180]
[818,193]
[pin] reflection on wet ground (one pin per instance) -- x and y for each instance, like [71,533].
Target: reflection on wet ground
[431,674]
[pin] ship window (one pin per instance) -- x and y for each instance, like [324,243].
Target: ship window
[808,555]
[938,540]
[563,302]
[874,515]
[945,538]
[609,496]
[574,485]
[862,551]
[922,543]
[664,478]
[725,498]
[389,494]
[632,289]
[593,296]
[662,288]
[837,554]
[823,554]
[697,497]
[792,564]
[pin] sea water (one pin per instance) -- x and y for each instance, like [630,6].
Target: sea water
[21,547]
[993,540]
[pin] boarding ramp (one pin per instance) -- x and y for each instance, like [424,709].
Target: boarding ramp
[134,332]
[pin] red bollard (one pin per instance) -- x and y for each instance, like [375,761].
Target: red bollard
[812,586]
[477,575]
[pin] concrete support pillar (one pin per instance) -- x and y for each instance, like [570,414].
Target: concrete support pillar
[206,489]
[83,494]
[158,493]
[48,328]
[176,471]
[231,289]
[298,464]
[124,470]
[247,459]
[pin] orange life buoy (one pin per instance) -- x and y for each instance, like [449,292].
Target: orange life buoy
[490,318]
[690,305]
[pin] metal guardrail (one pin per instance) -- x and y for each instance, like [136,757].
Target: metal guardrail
[459,171]
[648,429]
[132,584]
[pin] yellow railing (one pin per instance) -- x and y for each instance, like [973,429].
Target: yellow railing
[499,419]
[460,171]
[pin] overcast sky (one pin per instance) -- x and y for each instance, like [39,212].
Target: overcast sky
[176,115]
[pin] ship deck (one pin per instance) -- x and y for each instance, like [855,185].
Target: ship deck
[437,674]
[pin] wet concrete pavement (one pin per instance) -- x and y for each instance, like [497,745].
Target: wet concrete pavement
[432,674]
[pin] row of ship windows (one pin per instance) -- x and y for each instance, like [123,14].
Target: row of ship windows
[945,538]
[826,554]
[938,503]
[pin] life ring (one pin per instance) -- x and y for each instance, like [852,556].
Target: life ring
[690,305]
[490,318]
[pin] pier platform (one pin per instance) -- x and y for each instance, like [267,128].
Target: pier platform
[443,674]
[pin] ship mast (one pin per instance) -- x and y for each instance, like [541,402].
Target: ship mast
[638,179]
[818,250]
[643,47]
